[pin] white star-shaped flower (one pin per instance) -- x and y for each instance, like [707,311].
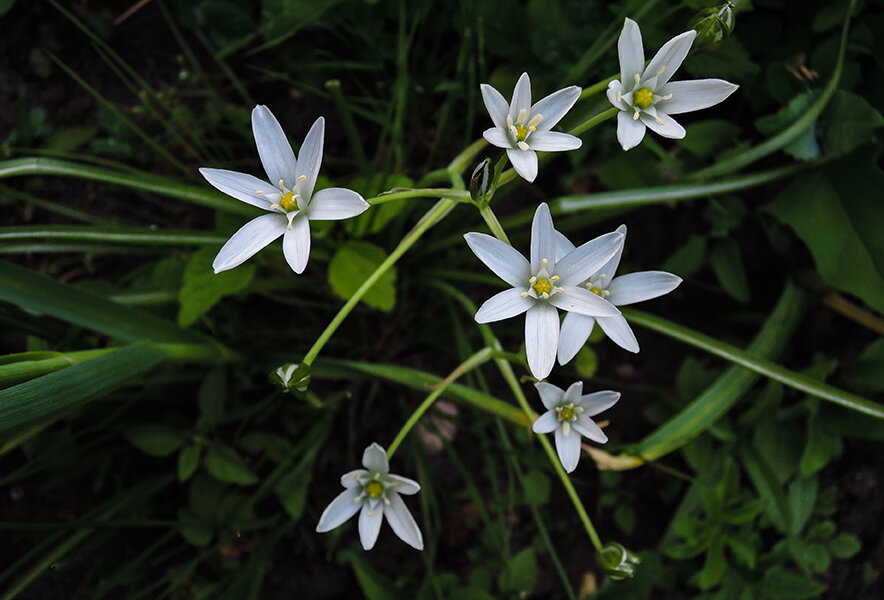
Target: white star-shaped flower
[543,285]
[645,96]
[619,291]
[373,492]
[288,197]
[568,414]
[523,128]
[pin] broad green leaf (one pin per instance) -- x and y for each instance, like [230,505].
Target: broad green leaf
[762,476]
[851,121]
[624,517]
[191,530]
[820,449]
[742,549]
[537,487]
[586,362]
[292,492]
[805,146]
[211,397]
[802,497]
[350,267]
[223,463]
[70,138]
[731,61]
[688,259]
[778,583]
[374,585]
[714,566]
[204,496]
[188,461]
[727,263]
[845,545]
[156,440]
[709,137]
[521,573]
[203,288]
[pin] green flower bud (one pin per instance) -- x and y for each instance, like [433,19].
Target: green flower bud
[292,377]
[713,26]
[481,181]
[617,562]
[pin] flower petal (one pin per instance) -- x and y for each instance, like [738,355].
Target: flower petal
[541,338]
[370,525]
[586,426]
[521,96]
[695,94]
[581,300]
[585,261]
[610,268]
[553,141]
[563,245]
[243,187]
[551,395]
[615,88]
[644,285]
[341,508]
[334,204]
[250,238]
[666,126]
[496,104]
[619,332]
[568,446]
[402,523]
[598,402]
[351,478]
[524,162]
[669,58]
[404,485]
[296,244]
[543,241]
[273,147]
[630,51]
[573,393]
[375,459]
[575,331]
[546,423]
[497,137]
[503,305]
[629,131]
[506,262]
[554,107]
[310,159]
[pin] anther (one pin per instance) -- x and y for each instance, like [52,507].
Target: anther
[543,263]
[619,95]
[635,116]
[545,296]
[535,121]
[524,295]
[566,427]
[667,96]
[522,145]
[554,278]
[302,178]
[533,279]
[659,120]
[281,184]
[523,115]
[660,72]
[637,78]
[259,192]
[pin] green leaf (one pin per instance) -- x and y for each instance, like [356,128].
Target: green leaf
[374,585]
[202,288]
[156,440]
[195,533]
[845,545]
[350,267]
[624,517]
[537,487]
[812,208]
[727,263]
[802,496]
[731,61]
[714,566]
[70,138]
[688,259]
[709,137]
[768,487]
[188,461]
[211,398]
[742,549]
[5,6]
[851,121]
[820,449]
[778,583]
[470,593]
[292,492]
[805,146]
[520,574]
[586,362]
[226,465]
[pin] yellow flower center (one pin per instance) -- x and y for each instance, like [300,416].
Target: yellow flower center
[288,202]
[542,286]
[567,413]
[521,132]
[374,489]
[643,98]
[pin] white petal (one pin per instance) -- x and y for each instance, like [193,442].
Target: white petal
[563,245]
[497,137]
[695,94]
[496,104]
[550,395]
[585,261]
[666,126]
[504,305]
[630,51]
[568,447]
[586,426]
[629,131]
[644,285]
[575,331]
[615,88]
[573,393]
[341,508]
[250,238]
[521,96]
[296,244]
[351,479]
[619,332]
[334,204]
[543,241]
[669,58]
[581,300]
[546,423]
[524,162]
[598,402]
[404,485]
[553,141]
[503,259]
[310,159]
[245,188]
[554,107]
[403,524]
[273,147]
[610,267]
[375,459]
[541,338]
[370,525]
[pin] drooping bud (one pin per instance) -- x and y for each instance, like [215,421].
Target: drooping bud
[713,26]
[292,377]
[481,181]
[617,562]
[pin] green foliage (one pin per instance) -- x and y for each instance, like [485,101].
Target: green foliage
[351,266]
[202,288]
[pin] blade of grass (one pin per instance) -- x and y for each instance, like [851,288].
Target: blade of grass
[112,235]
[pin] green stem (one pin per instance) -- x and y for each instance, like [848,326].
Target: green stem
[115,235]
[346,117]
[593,121]
[461,161]
[493,224]
[385,197]
[597,87]
[472,362]
[434,215]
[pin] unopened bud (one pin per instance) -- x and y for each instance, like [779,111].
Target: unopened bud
[292,377]
[713,26]
[480,181]
[617,562]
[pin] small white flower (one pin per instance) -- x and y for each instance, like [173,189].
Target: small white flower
[619,291]
[645,96]
[523,128]
[288,197]
[543,285]
[568,414]
[375,491]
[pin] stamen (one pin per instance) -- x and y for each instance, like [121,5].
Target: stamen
[559,289]
[566,427]
[532,280]
[281,184]
[509,121]
[637,78]
[523,115]
[272,206]
[524,295]
[522,145]
[659,120]
[259,192]
[535,121]
[578,409]
[387,501]
[545,296]
[666,97]
[554,278]
[635,116]
[302,178]
[619,95]
[660,72]
[543,263]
